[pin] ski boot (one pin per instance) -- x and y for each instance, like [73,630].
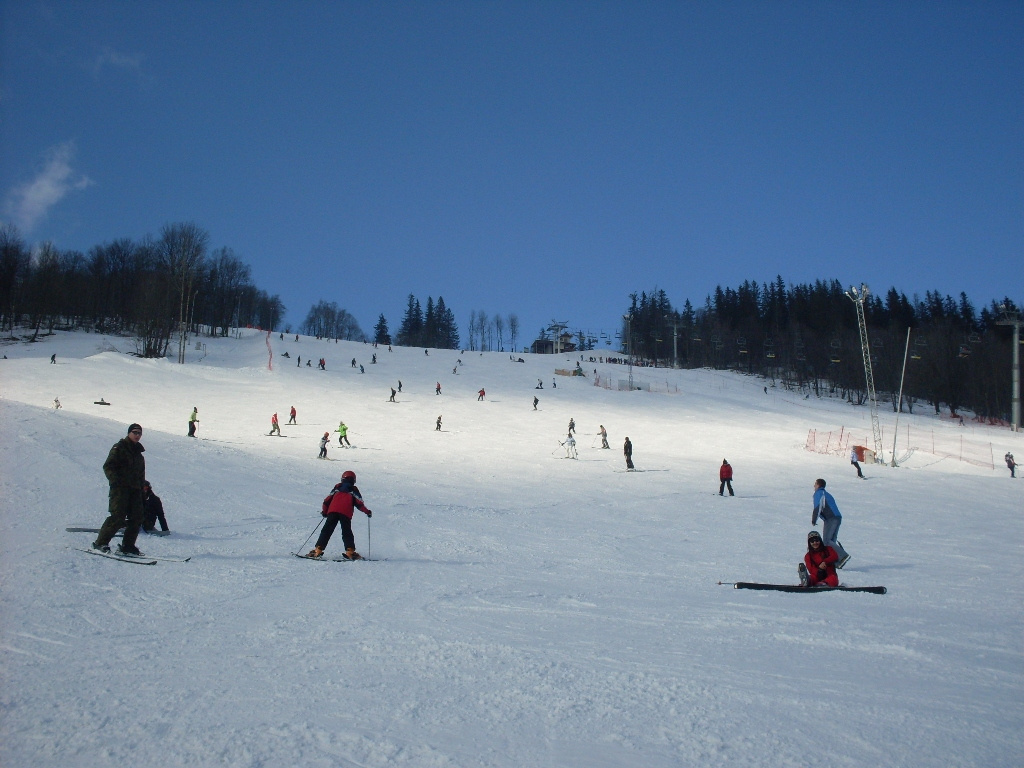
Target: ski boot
[128,551]
[351,554]
[802,572]
[315,552]
[104,548]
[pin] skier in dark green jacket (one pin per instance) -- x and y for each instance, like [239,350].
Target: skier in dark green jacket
[125,469]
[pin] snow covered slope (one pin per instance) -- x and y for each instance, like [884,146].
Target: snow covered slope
[527,610]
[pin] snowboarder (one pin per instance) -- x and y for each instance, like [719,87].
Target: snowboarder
[437,388]
[399,385]
[275,427]
[725,478]
[540,384]
[826,508]
[342,431]
[535,401]
[438,427]
[353,362]
[323,445]
[392,399]
[338,507]
[627,451]
[572,426]
[192,421]
[819,565]
[53,359]
[604,437]
[856,456]
[56,404]
[1010,464]
[361,369]
[480,394]
[291,415]
[298,364]
[153,510]
[125,469]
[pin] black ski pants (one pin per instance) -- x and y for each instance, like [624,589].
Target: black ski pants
[330,524]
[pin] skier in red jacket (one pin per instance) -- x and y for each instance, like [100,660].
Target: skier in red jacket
[725,476]
[339,507]
[819,565]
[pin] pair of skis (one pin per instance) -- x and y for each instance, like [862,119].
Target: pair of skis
[798,588]
[115,555]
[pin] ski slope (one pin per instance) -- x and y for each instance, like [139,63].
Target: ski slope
[527,609]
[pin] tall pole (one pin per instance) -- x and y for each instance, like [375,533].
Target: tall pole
[629,346]
[858,298]
[899,402]
[1012,317]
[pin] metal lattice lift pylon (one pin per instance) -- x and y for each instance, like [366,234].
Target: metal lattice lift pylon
[858,297]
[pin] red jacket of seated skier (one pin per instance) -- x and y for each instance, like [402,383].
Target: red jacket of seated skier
[821,562]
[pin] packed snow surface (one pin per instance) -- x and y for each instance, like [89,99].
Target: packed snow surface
[523,609]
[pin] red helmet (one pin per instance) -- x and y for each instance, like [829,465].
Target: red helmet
[348,475]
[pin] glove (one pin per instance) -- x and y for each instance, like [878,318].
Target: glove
[369,513]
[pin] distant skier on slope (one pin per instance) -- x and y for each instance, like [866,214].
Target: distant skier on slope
[192,421]
[291,415]
[725,478]
[604,437]
[323,445]
[342,431]
[627,451]
[275,427]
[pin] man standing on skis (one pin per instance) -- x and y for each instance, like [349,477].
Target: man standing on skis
[826,508]
[338,507]
[125,469]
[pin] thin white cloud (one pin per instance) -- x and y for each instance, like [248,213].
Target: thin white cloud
[29,203]
[108,57]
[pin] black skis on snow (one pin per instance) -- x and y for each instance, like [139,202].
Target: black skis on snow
[798,588]
[119,533]
[322,559]
[122,558]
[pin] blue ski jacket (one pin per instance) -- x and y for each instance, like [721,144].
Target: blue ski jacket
[825,507]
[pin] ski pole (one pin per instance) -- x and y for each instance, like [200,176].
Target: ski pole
[369,551]
[311,534]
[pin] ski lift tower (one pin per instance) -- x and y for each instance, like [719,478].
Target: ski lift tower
[557,328]
[858,297]
[1012,317]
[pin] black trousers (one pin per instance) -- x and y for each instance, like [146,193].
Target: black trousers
[330,524]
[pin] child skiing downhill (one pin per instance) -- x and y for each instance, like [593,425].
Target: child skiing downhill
[339,507]
[323,445]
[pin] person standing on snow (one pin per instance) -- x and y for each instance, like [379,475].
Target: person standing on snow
[338,507]
[342,431]
[627,451]
[323,445]
[572,426]
[480,394]
[153,510]
[725,478]
[292,415]
[604,437]
[125,469]
[392,399]
[192,421]
[275,427]
[819,565]
[1010,464]
[535,401]
[855,457]
[437,388]
[438,427]
[826,508]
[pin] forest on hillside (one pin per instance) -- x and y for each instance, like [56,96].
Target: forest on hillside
[154,289]
[808,337]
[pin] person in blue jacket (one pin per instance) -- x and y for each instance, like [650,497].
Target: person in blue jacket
[826,508]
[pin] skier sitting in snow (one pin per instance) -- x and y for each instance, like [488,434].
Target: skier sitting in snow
[819,565]
[152,510]
[338,507]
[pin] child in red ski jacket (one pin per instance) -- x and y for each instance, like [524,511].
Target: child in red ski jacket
[819,565]
[339,507]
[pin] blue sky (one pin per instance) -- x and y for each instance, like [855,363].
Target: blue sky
[542,158]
